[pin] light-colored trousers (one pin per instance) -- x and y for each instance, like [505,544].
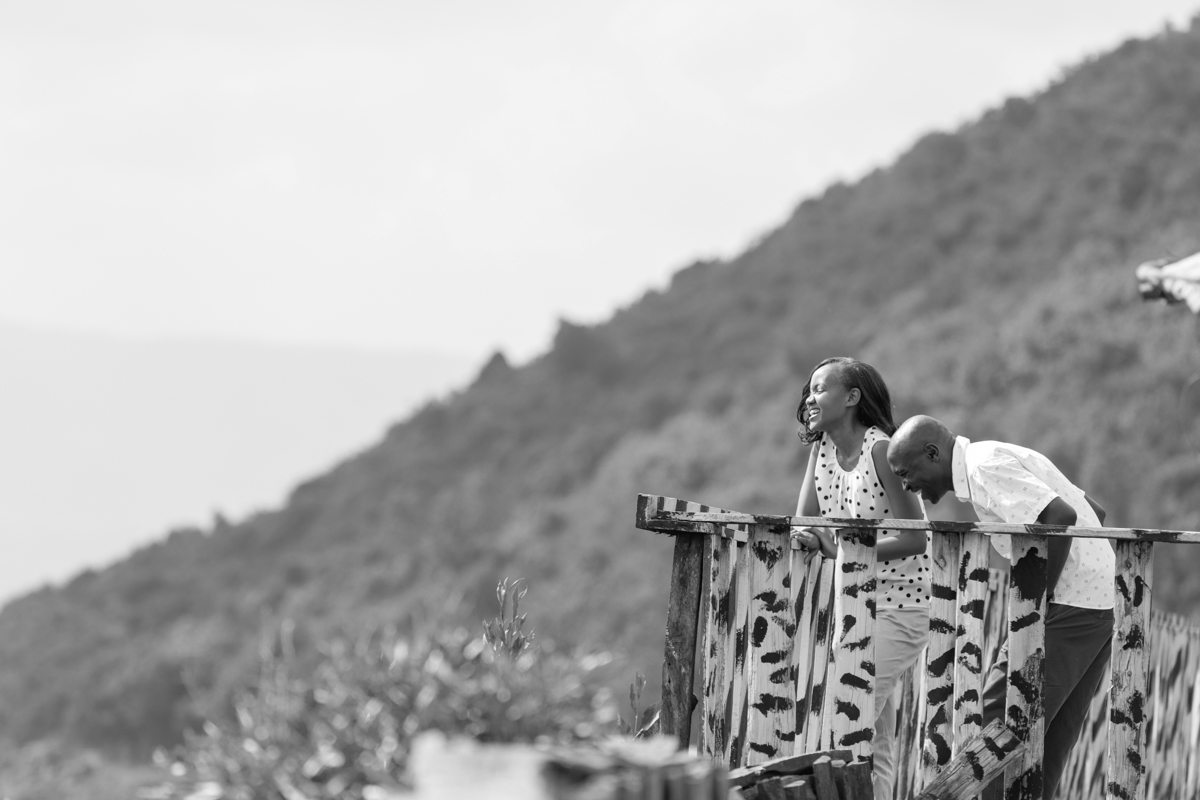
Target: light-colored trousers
[900,635]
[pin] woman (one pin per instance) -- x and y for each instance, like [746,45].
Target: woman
[846,412]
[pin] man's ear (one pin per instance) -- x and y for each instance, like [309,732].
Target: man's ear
[933,452]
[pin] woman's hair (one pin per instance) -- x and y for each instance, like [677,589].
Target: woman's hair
[874,403]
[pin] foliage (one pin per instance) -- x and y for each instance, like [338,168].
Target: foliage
[504,633]
[344,730]
[641,722]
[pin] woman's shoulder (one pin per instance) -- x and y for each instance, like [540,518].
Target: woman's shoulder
[874,436]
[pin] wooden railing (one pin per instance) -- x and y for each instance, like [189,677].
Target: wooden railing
[786,655]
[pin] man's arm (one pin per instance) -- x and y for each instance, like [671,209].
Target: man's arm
[1099,509]
[1057,512]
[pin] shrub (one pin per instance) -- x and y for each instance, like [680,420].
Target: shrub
[344,729]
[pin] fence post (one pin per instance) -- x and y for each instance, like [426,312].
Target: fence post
[771,692]
[1127,699]
[852,721]
[1026,665]
[679,656]
[937,730]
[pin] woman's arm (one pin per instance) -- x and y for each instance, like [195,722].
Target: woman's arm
[903,505]
[807,505]
[812,539]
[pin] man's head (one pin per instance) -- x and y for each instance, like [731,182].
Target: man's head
[921,453]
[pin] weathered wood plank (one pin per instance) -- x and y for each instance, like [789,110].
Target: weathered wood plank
[683,612]
[824,782]
[969,660]
[785,765]
[772,713]
[718,646]
[978,761]
[739,685]
[908,731]
[808,604]
[1129,672]
[817,699]
[1026,665]
[852,724]
[670,521]
[938,746]
[855,782]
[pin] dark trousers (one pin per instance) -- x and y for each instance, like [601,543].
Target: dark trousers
[1078,646]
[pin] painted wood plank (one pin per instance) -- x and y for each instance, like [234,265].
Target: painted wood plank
[1026,665]
[671,521]
[852,723]
[977,763]
[818,695]
[719,607]
[739,685]
[771,730]
[799,764]
[808,604]
[908,731]
[1130,671]
[938,732]
[970,661]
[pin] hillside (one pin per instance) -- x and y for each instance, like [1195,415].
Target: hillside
[987,273]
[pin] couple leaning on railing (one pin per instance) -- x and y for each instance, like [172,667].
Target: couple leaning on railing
[862,466]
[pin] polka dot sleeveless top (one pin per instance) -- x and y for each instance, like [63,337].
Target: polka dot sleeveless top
[857,493]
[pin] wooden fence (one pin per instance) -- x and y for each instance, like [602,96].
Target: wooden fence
[786,656]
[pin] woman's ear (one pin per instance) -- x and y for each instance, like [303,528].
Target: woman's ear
[853,396]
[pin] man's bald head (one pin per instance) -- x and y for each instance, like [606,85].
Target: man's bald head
[921,454]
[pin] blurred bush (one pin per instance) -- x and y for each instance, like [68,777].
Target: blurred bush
[344,729]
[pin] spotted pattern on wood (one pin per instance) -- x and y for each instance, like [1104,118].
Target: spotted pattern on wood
[978,760]
[718,646]
[817,695]
[771,696]
[937,724]
[738,708]
[852,724]
[1129,671]
[969,662]
[808,603]
[1026,659]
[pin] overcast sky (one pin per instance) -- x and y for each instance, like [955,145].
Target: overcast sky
[444,177]
[457,175]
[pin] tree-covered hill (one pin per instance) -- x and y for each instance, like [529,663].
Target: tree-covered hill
[987,273]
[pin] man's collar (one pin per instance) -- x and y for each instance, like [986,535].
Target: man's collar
[958,469]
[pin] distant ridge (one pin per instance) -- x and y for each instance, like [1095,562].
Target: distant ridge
[987,273]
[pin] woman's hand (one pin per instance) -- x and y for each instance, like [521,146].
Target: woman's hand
[815,540]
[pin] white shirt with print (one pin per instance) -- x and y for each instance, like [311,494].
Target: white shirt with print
[1009,483]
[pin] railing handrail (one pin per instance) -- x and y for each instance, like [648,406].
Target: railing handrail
[713,523]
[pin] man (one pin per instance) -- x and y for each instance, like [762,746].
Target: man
[1009,483]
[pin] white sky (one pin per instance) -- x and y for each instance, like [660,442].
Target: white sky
[446,177]
[456,175]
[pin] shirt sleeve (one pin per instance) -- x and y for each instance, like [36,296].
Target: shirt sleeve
[1010,491]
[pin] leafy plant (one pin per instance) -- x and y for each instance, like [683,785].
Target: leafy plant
[345,728]
[504,633]
[641,723]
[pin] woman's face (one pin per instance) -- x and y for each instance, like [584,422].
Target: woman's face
[828,400]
